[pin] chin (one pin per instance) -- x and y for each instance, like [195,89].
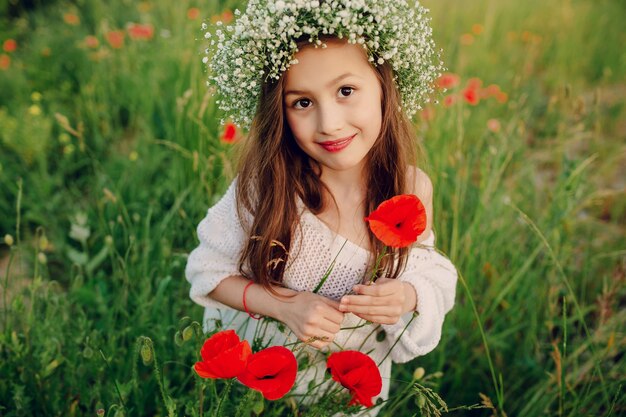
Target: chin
[343,166]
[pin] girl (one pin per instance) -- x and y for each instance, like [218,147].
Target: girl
[328,87]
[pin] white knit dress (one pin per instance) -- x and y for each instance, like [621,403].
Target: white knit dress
[432,275]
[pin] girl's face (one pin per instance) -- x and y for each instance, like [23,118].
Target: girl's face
[332,99]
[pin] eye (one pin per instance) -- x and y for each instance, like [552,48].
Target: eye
[304,103]
[346,91]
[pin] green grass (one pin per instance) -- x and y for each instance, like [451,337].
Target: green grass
[103,182]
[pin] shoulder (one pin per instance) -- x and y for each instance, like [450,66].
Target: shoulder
[226,207]
[420,184]
[226,201]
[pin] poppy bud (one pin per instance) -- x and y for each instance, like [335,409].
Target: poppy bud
[41,258]
[187,333]
[419,373]
[43,242]
[178,338]
[8,239]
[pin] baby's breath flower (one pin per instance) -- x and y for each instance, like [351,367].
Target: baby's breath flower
[261,43]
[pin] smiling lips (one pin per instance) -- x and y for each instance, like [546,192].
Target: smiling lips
[336,145]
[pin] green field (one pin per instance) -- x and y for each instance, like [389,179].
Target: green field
[110,154]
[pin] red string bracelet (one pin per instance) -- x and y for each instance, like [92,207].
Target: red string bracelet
[245,307]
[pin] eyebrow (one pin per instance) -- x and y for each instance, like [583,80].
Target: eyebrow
[335,81]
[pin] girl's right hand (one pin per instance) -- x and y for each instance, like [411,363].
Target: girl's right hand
[313,318]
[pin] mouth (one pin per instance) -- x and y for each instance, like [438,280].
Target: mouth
[336,145]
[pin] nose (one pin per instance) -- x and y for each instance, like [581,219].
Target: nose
[330,118]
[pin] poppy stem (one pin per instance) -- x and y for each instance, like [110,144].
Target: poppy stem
[378,259]
[224,394]
[244,404]
[398,339]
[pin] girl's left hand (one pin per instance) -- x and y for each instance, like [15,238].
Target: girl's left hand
[383,302]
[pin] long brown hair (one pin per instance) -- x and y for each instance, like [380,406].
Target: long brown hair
[274,171]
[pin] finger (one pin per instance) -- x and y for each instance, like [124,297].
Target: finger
[331,302]
[374,310]
[330,326]
[336,317]
[371,300]
[334,314]
[359,300]
[319,345]
[379,319]
[376,289]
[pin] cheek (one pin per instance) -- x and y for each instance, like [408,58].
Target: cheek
[370,115]
[299,126]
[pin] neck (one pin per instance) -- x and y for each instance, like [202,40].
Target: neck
[346,186]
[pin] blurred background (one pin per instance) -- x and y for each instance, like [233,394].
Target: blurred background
[111,152]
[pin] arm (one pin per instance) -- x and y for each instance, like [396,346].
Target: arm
[390,299]
[212,269]
[426,287]
[313,319]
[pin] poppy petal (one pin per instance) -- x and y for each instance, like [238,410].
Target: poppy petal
[271,371]
[398,221]
[223,356]
[358,373]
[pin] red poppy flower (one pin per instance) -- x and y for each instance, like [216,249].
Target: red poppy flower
[9,45]
[91,42]
[271,371]
[467,39]
[449,100]
[493,125]
[115,39]
[448,80]
[5,61]
[492,90]
[223,356]
[398,222]
[140,32]
[358,373]
[227,16]
[471,96]
[474,83]
[502,97]
[71,19]
[193,13]
[230,133]
[427,114]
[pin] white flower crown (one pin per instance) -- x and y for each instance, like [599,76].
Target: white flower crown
[260,45]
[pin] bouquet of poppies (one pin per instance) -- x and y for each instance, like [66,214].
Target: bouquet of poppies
[272,371]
